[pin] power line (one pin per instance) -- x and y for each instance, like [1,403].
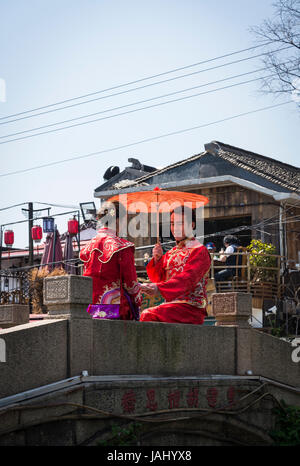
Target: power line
[36,202]
[237,229]
[219,233]
[57,205]
[142,141]
[264,224]
[12,206]
[139,102]
[289,220]
[141,87]
[118,114]
[143,79]
[40,218]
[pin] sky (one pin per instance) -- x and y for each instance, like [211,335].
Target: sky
[58,50]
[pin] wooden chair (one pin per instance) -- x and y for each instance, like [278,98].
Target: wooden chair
[241,260]
[210,289]
[239,281]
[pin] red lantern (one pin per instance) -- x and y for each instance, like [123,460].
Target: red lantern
[73,226]
[37,233]
[9,238]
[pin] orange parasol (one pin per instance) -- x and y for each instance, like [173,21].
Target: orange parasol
[161,200]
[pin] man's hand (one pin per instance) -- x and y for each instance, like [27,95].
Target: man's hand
[222,257]
[150,289]
[157,252]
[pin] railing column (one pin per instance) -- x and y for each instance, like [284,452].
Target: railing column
[67,296]
[232,309]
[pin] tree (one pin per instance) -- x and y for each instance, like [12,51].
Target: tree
[281,36]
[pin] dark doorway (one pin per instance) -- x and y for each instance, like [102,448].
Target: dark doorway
[211,227]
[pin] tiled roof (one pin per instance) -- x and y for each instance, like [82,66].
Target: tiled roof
[273,170]
[169,167]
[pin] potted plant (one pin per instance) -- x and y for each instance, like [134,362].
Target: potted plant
[263,270]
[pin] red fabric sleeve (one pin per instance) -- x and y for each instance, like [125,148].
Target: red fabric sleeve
[155,271]
[128,274]
[195,268]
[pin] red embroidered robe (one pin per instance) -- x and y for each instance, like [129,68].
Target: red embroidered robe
[180,276]
[107,259]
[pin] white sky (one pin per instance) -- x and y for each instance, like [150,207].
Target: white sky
[56,50]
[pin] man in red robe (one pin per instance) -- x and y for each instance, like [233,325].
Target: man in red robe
[179,276]
[109,260]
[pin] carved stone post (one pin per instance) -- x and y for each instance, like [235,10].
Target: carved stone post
[232,309]
[13,314]
[67,296]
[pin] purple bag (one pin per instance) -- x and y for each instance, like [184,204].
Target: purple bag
[104,311]
[107,310]
[112,311]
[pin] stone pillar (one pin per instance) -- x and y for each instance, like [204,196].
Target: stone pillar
[13,314]
[232,309]
[67,296]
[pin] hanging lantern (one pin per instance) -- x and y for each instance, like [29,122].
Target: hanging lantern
[48,224]
[9,238]
[73,226]
[37,233]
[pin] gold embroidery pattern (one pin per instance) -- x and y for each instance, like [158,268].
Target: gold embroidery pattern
[135,291]
[110,287]
[200,304]
[175,261]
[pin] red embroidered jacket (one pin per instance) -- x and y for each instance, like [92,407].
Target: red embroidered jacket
[181,273]
[107,258]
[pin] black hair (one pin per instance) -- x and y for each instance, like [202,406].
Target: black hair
[230,239]
[110,211]
[185,210]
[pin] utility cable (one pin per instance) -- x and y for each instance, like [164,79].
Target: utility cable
[148,100]
[235,230]
[146,78]
[12,206]
[120,114]
[142,141]
[143,87]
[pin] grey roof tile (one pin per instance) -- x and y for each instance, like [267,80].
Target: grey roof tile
[285,175]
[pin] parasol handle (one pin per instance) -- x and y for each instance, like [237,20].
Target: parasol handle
[157,214]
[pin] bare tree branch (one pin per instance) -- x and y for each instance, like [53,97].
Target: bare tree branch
[283,29]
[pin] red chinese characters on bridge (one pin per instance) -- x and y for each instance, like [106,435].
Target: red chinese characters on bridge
[128,402]
[151,403]
[174,399]
[192,399]
[212,396]
[231,395]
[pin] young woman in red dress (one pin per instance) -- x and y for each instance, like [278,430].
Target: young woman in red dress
[179,276]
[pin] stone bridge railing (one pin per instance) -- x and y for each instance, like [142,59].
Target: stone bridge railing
[68,342]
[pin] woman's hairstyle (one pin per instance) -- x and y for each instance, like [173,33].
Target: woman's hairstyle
[108,214]
[185,210]
[230,239]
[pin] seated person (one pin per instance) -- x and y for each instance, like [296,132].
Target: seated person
[179,276]
[211,247]
[231,244]
[109,260]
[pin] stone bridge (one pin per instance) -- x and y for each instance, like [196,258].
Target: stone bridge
[71,380]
